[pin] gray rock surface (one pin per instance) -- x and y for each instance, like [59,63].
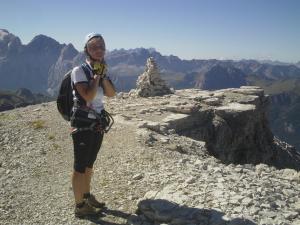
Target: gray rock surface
[151,168]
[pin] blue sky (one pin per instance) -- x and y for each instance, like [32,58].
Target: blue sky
[200,29]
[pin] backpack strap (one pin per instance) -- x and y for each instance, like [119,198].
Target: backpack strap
[87,71]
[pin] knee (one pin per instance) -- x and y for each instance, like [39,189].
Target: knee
[90,164]
[79,170]
[89,168]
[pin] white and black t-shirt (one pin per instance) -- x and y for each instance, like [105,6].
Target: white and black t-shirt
[78,76]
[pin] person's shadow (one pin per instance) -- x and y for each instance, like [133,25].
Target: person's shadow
[99,219]
[160,211]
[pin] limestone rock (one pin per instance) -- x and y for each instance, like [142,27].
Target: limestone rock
[176,167]
[150,83]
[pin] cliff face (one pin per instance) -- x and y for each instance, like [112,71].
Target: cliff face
[231,122]
[64,63]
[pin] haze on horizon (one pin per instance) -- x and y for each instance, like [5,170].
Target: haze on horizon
[200,29]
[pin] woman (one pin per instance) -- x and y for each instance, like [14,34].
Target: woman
[88,93]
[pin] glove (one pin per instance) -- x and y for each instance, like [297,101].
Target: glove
[100,69]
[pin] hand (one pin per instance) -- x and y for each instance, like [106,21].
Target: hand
[100,69]
[101,76]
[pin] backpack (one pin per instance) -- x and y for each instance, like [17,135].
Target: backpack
[64,99]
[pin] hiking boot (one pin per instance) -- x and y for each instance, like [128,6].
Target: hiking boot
[94,202]
[86,210]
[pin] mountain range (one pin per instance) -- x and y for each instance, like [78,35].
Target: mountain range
[40,65]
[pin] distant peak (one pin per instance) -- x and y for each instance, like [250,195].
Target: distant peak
[68,52]
[4,31]
[42,39]
[4,34]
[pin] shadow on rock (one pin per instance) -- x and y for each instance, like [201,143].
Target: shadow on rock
[161,211]
[105,212]
[233,145]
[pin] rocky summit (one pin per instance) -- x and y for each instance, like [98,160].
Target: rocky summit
[191,157]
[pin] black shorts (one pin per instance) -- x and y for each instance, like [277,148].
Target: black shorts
[86,147]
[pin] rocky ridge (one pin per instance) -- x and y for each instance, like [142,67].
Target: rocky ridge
[151,170]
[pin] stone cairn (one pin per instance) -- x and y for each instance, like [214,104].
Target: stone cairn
[150,83]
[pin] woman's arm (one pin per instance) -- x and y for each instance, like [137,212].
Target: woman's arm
[88,91]
[108,88]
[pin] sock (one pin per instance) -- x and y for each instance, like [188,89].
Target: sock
[80,205]
[86,195]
